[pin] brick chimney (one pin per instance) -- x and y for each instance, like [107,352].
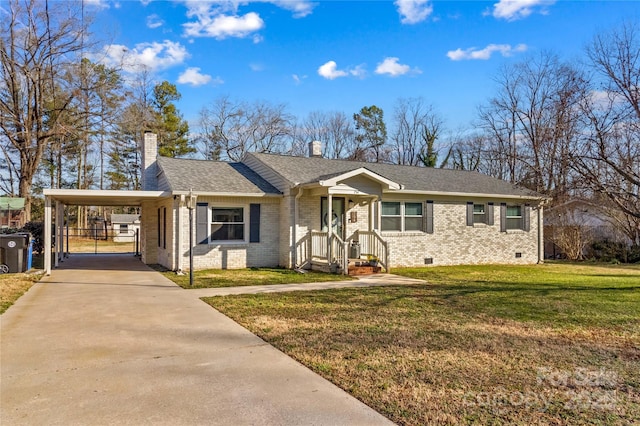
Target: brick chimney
[149,166]
[315,149]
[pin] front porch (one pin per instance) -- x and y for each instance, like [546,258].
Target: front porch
[336,223]
[365,252]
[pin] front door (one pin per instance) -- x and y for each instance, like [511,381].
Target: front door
[336,218]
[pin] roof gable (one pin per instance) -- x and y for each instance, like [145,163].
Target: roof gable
[215,177]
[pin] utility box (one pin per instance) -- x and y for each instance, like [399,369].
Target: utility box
[354,250]
[14,252]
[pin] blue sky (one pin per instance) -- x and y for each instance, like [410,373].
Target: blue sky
[343,55]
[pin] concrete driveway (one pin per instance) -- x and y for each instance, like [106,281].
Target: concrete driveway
[106,340]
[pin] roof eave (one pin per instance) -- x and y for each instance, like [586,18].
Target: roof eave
[229,194]
[541,198]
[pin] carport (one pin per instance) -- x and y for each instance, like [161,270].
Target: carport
[57,199]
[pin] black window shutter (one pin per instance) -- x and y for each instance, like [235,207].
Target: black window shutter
[503,217]
[202,223]
[164,227]
[490,214]
[428,214]
[469,213]
[254,223]
[159,229]
[526,222]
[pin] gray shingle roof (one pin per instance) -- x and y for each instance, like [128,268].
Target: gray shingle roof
[213,176]
[301,170]
[124,218]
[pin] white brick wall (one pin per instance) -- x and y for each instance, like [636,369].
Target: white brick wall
[455,243]
[452,243]
[238,255]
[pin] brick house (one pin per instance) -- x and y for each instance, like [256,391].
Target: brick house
[314,213]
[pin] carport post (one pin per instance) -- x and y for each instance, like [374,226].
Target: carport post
[47,235]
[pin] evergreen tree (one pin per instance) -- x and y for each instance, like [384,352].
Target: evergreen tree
[171,128]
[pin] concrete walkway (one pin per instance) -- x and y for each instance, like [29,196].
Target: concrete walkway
[106,340]
[377,280]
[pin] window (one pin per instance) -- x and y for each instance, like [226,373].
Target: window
[227,224]
[391,217]
[124,228]
[479,213]
[401,216]
[413,216]
[514,217]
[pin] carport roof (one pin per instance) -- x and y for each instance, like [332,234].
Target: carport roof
[104,197]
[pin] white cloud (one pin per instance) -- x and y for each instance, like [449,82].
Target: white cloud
[484,54]
[98,4]
[154,21]
[145,2]
[193,77]
[391,67]
[297,79]
[224,26]
[152,56]
[300,8]
[512,10]
[330,71]
[414,11]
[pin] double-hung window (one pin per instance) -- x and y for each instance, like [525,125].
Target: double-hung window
[479,213]
[514,217]
[227,224]
[401,216]
[124,228]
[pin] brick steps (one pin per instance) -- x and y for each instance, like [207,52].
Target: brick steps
[361,267]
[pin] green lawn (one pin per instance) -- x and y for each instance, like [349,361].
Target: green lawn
[215,278]
[540,344]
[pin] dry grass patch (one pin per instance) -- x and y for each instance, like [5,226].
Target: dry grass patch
[486,349]
[12,286]
[90,245]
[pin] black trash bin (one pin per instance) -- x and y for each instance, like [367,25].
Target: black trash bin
[14,248]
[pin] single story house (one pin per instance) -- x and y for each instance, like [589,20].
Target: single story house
[125,227]
[311,212]
[12,212]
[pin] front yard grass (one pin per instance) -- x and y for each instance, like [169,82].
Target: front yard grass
[216,278]
[12,286]
[540,344]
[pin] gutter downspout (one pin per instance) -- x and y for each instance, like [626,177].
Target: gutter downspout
[296,213]
[540,235]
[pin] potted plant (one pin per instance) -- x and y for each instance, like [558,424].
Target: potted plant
[373,260]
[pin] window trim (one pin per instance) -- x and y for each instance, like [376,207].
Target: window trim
[245,222]
[520,217]
[403,216]
[480,218]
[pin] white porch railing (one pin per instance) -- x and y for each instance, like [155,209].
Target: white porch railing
[314,247]
[319,243]
[372,244]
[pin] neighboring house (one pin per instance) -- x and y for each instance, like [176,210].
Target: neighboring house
[312,212]
[125,227]
[12,212]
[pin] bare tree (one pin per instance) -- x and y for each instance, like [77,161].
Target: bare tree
[334,129]
[38,40]
[417,127]
[533,122]
[569,229]
[229,128]
[608,159]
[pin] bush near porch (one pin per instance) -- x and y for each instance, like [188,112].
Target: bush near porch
[540,344]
